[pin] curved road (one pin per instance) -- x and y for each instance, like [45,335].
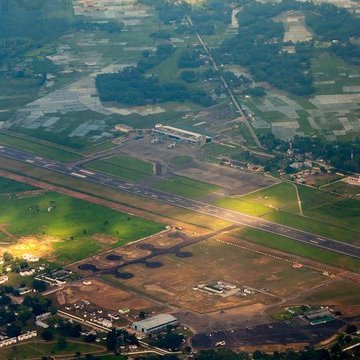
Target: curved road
[193,205]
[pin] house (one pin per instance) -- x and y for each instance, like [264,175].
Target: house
[27,272]
[23,290]
[30,258]
[27,335]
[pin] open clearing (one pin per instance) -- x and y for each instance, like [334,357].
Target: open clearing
[175,274]
[11,186]
[184,186]
[123,166]
[37,147]
[41,348]
[104,296]
[235,182]
[325,214]
[67,229]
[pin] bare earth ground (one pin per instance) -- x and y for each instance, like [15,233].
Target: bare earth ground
[102,295]
[236,182]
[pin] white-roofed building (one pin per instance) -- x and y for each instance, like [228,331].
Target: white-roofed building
[155,323]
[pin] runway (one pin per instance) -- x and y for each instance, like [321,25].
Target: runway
[193,205]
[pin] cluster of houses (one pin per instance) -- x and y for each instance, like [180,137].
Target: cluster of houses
[14,340]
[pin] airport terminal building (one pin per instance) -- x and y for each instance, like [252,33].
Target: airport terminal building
[181,135]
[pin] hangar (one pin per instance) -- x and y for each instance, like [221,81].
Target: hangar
[154,323]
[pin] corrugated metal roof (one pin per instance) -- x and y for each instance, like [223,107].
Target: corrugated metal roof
[155,321]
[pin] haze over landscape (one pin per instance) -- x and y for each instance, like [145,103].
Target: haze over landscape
[179,179]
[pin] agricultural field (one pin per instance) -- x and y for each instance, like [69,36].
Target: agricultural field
[295,29]
[331,113]
[123,166]
[67,110]
[67,229]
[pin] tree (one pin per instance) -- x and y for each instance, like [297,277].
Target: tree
[13,330]
[90,338]
[142,315]
[111,340]
[170,340]
[47,334]
[351,328]
[39,285]
[8,258]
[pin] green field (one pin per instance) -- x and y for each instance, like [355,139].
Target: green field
[183,186]
[247,207]
[38,148]
[324,213]
[297,248]
[343,188]
[279,196]
[123,166]
[40,348]
[11,186]
[72,223]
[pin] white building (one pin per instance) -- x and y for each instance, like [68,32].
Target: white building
[181,135]
[30,258]
[27,272]
[27,335]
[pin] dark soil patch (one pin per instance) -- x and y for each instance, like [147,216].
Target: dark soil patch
[124,275]
[146,246]
[113,257]
[88,267]
[184,254]
[153,264]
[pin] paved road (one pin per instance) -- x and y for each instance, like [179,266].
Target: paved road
[238,107]
[193,205]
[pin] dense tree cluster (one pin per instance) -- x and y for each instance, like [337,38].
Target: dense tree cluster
[131,87]
[189,58]
[330,22]
[258,46]
[344,156]
[152,59]
[43,22]
[121,337]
